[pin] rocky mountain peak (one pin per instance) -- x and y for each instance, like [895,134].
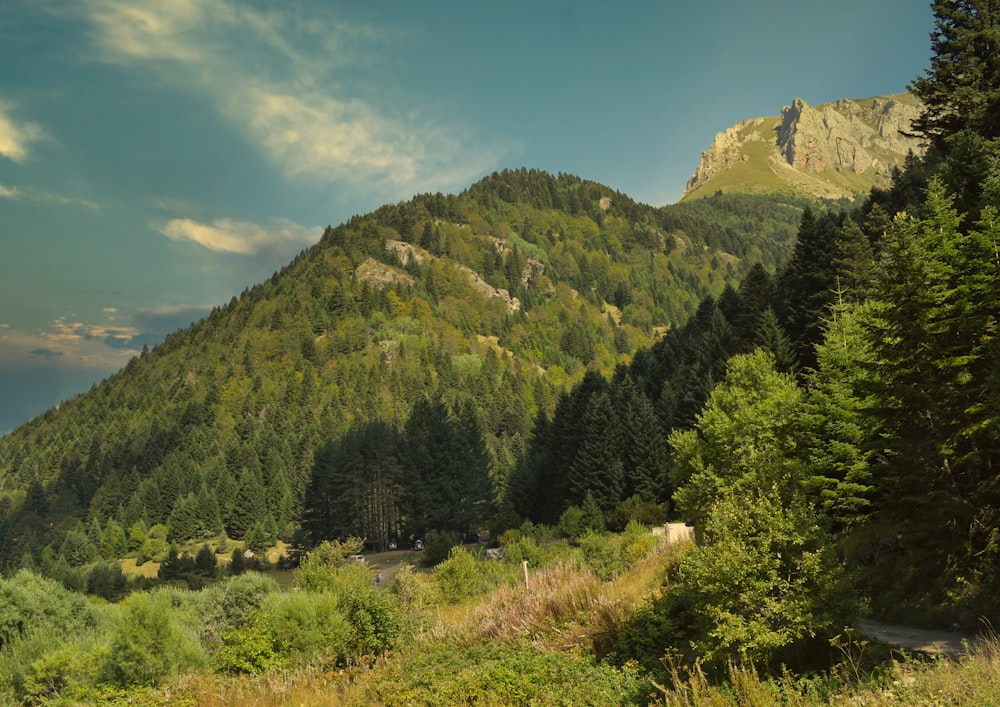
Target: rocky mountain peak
[831,150]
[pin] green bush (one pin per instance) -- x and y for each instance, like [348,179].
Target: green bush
[153,635]
[601,555]
[30,602]
[374,615]
[318,569]
[636,543]
[231,603]
[413,590]
[571,523]
[47,662]
[767,584]
[524,549]
[438,545]
[312,626]
[252,649]
[459,577]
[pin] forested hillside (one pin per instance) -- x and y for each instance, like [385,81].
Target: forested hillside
[813,387]
[853,394]
[435,331]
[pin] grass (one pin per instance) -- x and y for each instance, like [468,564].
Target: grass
[540,644]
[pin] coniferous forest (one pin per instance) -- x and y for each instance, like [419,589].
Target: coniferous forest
[542,364]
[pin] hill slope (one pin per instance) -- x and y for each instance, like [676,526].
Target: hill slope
[492,301]
[833,150]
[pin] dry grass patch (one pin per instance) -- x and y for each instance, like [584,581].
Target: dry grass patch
[562,607]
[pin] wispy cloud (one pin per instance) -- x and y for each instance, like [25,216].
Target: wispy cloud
[280,79]
[44,197]
[15,137]
[72,343]
[240,237]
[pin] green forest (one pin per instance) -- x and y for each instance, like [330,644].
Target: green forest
[544,366]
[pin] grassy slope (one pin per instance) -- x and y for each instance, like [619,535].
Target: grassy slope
[760,175]
[535,646]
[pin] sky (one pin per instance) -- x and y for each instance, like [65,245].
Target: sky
[158,157]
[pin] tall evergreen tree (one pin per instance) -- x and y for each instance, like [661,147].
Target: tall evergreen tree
[961,90]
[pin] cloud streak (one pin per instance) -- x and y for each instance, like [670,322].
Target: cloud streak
[280,79]
[239,237]
[44,197]
[15,137]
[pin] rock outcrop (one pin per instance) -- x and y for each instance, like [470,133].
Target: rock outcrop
[835,149]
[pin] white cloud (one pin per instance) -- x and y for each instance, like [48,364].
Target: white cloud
[230,236]
[71,343]
[278,77]
[44,197]
[15,137]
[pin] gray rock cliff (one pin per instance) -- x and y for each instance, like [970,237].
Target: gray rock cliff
[834,149]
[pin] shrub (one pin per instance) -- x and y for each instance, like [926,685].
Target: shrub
[636,543]
[318,569]
[524,549]
[601,555]
[413,590]
[311,626]
[253,648]
[231,603]
[458,577]
[30,602]
[374,616]
[767,584]
[153,635]
[571,522]
[438,545]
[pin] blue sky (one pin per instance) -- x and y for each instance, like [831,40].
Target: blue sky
[157,157]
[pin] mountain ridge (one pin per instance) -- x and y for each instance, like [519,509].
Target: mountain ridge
[497,298]
[840,149]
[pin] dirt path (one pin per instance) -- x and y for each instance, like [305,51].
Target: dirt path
[948,644]
[388,563]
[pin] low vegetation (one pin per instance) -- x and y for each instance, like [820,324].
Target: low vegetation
[468,630]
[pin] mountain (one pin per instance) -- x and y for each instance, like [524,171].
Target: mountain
[833,150]
[444,324]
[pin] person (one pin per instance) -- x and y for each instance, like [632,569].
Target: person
[378,578]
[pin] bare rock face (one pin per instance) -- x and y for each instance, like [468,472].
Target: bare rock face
[831,150]
[852,135]
[726,151]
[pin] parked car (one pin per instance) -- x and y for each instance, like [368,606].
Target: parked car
[418,545]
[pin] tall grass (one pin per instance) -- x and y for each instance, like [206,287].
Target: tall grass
[972,679]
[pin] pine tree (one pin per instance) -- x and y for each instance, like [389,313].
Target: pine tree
[597,468]
[839,438]
[961,90]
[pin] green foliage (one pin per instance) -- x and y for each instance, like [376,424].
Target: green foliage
[29,602]
[459,577]
[106,580]
[252,649]
[746,438]
[438,546]
[766,583]
[310,626]
[524,549]
[496,673]
[961,90]
[153,635]
[375,619]
[231,603]
[318,571]
[602,555]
